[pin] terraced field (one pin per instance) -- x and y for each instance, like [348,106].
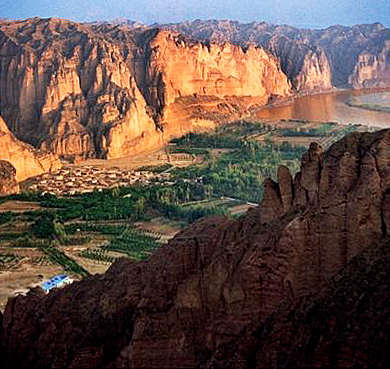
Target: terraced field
[42,234]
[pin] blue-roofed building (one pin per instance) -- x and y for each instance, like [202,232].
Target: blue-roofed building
[56,282]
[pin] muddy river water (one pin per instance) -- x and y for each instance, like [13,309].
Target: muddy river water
[330,107]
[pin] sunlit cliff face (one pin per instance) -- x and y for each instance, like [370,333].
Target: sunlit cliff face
[312,59]
[220,70]
[90,91]
[107,91]
[25,159]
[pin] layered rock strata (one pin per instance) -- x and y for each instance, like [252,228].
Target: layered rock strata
[316,60]
[213,297]
[104,91]
[27,161]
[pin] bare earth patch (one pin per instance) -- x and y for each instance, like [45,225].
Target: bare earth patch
[133,162]
[19,206]
[165,227]
[93,266]
[240,209]
[23,277]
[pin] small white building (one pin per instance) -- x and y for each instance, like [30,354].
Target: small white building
[56,282]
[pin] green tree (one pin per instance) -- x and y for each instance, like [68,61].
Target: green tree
[43,227]
[139,207]
[59,232]
[208,191]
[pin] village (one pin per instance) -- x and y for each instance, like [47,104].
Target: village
[71,180]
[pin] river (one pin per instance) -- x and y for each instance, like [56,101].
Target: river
[327,107]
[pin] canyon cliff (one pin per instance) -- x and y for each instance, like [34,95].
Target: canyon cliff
[313,60]
[115,89]
[68,90]
[95,90]
[26,160]
[372,69]
[302,280]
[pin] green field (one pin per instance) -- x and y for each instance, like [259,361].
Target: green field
[99,226]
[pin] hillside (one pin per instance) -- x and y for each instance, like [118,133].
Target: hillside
[8,184]
[101,90]
[116,89]
[302,280]
[24,158]
[338,56]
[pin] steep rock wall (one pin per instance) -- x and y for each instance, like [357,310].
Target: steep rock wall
[91,90]
[315,73]
[353,54]
[66,89]
[372,70]
[205,299]
[193,85]
[27,161]
[186,69]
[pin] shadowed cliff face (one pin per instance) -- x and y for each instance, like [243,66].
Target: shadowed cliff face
[338,56]
[372,69]
[214,296]
[101,90]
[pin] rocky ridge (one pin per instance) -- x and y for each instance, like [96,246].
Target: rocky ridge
[100,90]
[313,60]
[264,290]
[115,89]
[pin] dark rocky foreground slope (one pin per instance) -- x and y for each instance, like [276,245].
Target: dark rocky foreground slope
[303,280]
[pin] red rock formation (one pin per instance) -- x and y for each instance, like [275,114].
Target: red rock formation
[315,73]
[187,69]
[372,69]
[344,326]
[8,184]
[196,85]
[338,56]
[107,91]
[27,161]
[213,296]
[70,90]
[91,90]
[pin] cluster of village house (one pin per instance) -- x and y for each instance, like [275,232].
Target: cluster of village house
[76,180]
